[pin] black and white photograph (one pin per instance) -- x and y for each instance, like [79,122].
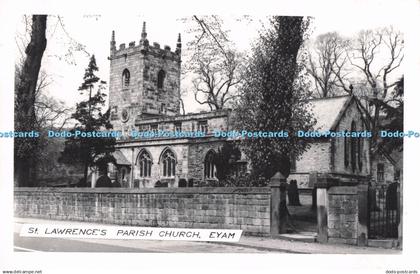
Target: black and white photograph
[279,133]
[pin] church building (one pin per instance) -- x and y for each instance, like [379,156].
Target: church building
[144,95]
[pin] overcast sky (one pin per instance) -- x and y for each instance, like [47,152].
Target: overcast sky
[94,32]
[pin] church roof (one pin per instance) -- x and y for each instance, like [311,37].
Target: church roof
[120,158]
[328,111]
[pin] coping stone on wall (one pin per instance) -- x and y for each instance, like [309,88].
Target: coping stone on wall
[192,190]
[342,190]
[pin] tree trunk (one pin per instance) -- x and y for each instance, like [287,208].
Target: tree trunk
[85,174]
[26,148]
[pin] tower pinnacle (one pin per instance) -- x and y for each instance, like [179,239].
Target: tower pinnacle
[112,43]
[178,44]
[143,32]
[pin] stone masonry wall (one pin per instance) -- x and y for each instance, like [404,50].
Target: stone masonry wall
[223,208]
[142,94]
[342,215]
[316,159]
[196,155]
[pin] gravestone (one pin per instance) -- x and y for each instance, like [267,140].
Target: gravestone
[293,194]
[104,181]
[182,183]
[392,197]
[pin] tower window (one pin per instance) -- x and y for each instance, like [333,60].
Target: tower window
[144,128]
[163,108]
[126,78]
[154,128]
[177,126]
[203,126]
[161,78]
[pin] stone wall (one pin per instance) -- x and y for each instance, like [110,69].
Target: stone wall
[224,208]
[343,209]
[196,155]
[316,159]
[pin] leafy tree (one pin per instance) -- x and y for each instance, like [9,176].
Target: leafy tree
[225,159]
[90,151]
[273,98]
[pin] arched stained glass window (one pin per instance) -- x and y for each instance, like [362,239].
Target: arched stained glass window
[353,148]
[346,149]
[168,162]
[145,164]
[209,165]
[360,152]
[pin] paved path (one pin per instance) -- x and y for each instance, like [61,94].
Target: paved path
[245,245]
[287,246]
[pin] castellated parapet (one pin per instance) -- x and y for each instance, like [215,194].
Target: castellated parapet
[144,81]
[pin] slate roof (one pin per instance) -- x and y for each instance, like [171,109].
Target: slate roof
[328,111]
[120,158]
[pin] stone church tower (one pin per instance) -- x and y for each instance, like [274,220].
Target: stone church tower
[144,82]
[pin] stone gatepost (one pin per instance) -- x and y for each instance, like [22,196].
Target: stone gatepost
[321,185]
[278,218]
[400,210]
[363,214]
[94,178]
[311,184]
[342,210]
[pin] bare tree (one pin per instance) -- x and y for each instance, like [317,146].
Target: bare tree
[377,54]
[327,63]
[56,30]
[50,113]
[213,62]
